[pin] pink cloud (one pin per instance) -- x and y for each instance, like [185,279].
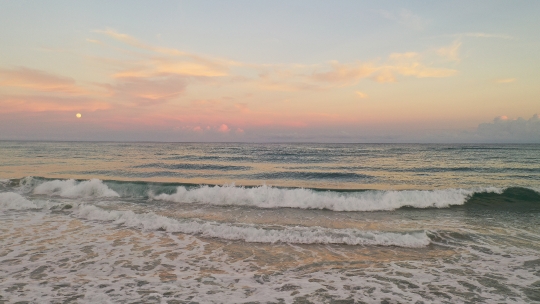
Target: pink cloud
[39,81]
[148,91]
[31,103]
[224,128]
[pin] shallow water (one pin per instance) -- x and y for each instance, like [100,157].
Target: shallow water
[431,223]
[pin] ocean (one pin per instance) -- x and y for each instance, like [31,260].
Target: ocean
[100,222]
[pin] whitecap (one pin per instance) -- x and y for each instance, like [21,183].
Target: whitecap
[271,197]
[14,201]
[72,188]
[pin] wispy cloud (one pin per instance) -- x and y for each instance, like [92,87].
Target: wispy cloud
[451,52]
[147,84]
[345,73]
[37,80]
[169,61]
[148,91]
[336,74]
[361,94]
[410,64]
[39,103]
[484,35]
[164,62]
[405,17]
[506,80]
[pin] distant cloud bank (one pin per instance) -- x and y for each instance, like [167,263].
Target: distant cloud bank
[503,129]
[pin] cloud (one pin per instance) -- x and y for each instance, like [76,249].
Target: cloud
[243,107]
[450,52]
[171,66]
[206,103]
[224,128]
[405,17]
[410,64]
[37,80]
[503,129]
[405,64]
[152,62]
[361,95]
[345,73]
[32,103]
[239,131]
[95,41]
[157,78]
[506,80]
[484,35]
[148,91]
[169,61]
[383,76]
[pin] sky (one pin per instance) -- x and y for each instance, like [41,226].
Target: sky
[270,71]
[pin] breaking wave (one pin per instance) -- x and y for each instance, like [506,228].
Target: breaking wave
[72,188]
[270,197]
[250,233]
[14,201]
[274,197]
[241,232]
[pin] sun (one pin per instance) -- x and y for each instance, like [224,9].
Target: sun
[78,115]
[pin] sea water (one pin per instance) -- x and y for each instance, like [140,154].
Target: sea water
[269,223]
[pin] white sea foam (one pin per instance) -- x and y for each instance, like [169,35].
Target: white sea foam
[14,201]
[250,233]
[101,262]
[72,188]
[270,197]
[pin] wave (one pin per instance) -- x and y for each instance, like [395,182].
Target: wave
[247,233]
[274,197]
[270,197]
[513,199]
[14,201]
[250,233]
[72,188]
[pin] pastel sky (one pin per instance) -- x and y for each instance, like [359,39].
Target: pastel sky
[270,71]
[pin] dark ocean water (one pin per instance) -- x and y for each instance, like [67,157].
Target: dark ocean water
[269,223]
